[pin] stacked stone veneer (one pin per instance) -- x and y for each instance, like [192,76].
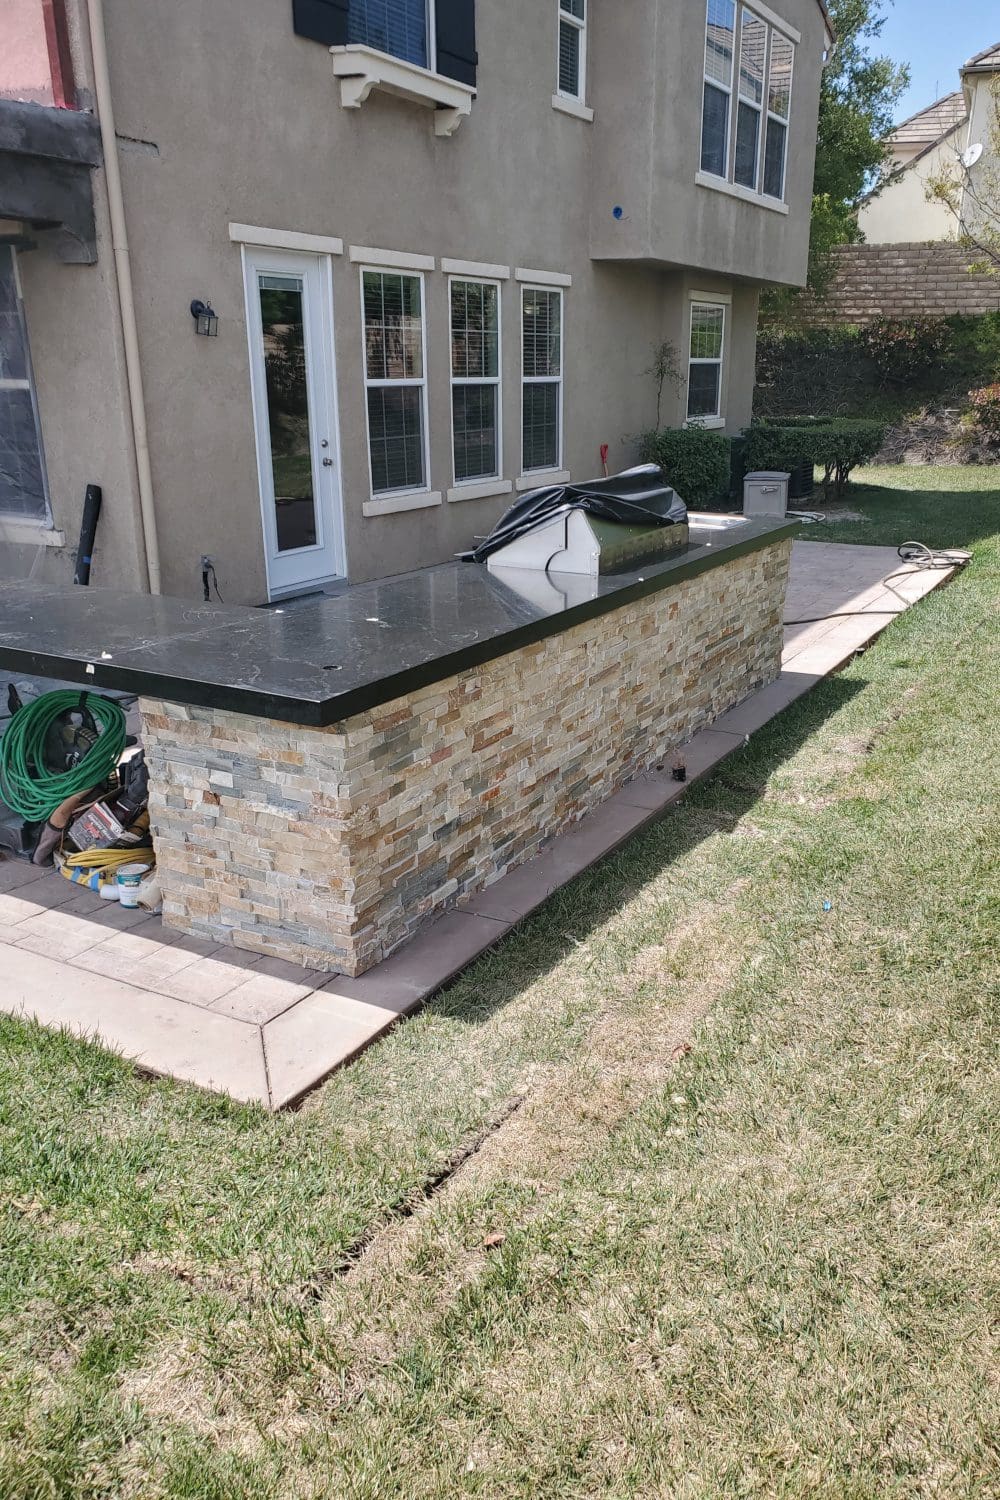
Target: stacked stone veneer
[330,846]
[901,281]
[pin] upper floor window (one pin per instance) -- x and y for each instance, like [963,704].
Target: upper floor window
[403,28]
[747,144]
[572,72]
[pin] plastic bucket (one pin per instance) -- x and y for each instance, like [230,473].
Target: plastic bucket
[128,879]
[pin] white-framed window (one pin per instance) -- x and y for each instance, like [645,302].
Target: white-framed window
[571,81]
[541,378]
[477,443]
[395,379]
[746,107]
[706,355]
[402,28]
[23,490]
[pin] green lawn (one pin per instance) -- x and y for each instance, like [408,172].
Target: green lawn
[688,1190]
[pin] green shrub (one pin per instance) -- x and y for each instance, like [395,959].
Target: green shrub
[837,445]
[985,404]
[695,462]
[815,369]
[891,369]
[904,350]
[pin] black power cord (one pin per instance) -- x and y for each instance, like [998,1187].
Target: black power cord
[208,572]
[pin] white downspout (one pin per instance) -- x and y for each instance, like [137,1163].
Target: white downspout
[126,298]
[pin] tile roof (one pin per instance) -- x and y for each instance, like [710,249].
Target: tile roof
[932,123]
[986,59]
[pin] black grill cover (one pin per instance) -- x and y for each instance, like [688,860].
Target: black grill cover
[639,497]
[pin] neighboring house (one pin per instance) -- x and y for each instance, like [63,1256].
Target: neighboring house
[439,241]
[926,146]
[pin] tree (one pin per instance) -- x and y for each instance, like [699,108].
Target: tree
[973,195]
[858,96]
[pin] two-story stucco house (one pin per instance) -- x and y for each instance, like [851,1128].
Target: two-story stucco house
[436,243]
[953,137]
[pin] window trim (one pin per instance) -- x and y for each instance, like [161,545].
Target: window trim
[565,16]
[477,481]
[724,301]
[374,505]
[559,380]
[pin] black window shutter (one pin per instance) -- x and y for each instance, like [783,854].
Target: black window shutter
[321,20]
[456,40]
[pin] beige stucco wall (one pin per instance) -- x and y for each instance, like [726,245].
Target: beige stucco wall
[648,95]
[224,115]
[900,213]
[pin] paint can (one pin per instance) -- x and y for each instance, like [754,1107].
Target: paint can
[128,880]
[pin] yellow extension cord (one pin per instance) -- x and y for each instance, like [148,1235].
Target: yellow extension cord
[96,867]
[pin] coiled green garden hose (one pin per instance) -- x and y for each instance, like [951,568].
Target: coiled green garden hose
[27,786]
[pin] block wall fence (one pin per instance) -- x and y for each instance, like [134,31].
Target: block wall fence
[330,847]
[901,281]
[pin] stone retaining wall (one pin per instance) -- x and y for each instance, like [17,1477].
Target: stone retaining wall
[901,281]
[330,847]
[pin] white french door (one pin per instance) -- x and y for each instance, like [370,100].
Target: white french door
[289,299]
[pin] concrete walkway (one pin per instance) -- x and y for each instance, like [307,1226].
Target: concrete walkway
[265,1031]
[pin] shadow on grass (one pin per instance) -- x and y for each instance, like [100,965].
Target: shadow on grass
[541,941]
[948,516]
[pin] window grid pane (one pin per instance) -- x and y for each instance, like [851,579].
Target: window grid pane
[396,435]
[747,144]
[474,414]
[540,417]
[714,131]
[393,344]
[542,335]
[719,41]
[569,59]
[753,51]
[576,8]
[398,27]
[704,388]
[706,332]
[779,91]
[475,330]
[774,159]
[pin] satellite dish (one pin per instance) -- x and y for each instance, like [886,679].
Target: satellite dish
[971,155]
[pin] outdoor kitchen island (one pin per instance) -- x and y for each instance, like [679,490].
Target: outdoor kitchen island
[326,777]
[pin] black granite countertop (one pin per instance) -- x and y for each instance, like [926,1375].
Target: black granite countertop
[322,660]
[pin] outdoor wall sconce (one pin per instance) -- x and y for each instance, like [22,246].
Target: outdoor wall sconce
[205,319]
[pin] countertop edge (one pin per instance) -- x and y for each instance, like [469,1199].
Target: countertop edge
[321,713]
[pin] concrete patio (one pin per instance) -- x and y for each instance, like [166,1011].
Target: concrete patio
[265,1031]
